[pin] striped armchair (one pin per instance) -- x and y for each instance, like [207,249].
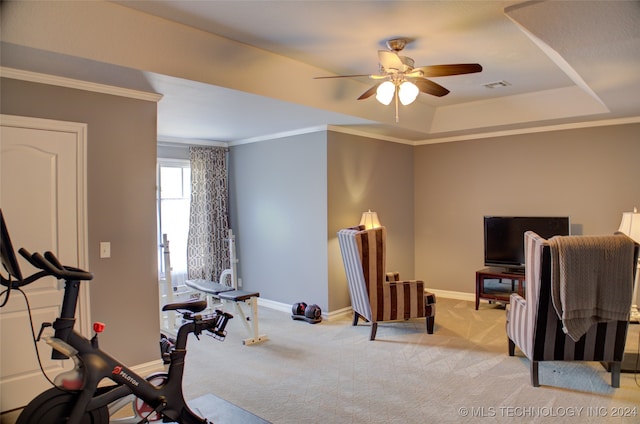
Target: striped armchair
[377,295]
[534,326]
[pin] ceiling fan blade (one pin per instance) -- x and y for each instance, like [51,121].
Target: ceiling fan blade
[390,60]
[343,76]
[430,87]
[447,70]
[370,92]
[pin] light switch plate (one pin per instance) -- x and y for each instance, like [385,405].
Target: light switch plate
[105,249]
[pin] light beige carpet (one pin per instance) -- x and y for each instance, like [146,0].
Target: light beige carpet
[331,373]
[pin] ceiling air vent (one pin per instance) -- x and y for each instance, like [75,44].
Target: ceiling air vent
[497,84]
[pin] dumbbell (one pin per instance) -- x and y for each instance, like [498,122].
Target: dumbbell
[310,313]
[313,312]
[299,308]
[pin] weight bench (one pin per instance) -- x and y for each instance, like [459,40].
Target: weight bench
[227,293]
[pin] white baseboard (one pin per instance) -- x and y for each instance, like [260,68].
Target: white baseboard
[448,294]
[339,313]
[284,307]
[272,304]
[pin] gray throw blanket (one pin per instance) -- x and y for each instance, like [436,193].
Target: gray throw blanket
[591,280]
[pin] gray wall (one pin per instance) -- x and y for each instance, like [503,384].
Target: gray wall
[592,175]
[278,207]
[290,196]
[121,163]
[364,174]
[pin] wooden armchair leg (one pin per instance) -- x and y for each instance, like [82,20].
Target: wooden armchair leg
[374,329]
[615,367]
[356,316]
[534,374]
[512,348]
[430,324]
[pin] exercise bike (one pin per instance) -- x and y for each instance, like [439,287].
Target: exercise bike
[80,398]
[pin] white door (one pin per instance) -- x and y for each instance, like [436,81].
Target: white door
[42,180]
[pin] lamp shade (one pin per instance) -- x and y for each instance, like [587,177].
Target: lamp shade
[370,220]
[407,92]
[630,224]
[385,92]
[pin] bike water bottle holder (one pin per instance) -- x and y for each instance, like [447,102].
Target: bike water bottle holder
[61,347]
[74,379]
[63,327]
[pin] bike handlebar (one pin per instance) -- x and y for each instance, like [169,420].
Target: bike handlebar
[50,264]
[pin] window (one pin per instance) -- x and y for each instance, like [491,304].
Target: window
[174,195]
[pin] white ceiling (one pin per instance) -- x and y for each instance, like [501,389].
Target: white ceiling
[536,48]
[565,62]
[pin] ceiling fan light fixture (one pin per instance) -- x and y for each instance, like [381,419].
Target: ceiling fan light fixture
[385,92]
[403,80]
[408,92]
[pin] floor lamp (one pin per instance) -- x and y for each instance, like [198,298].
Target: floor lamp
[630,226]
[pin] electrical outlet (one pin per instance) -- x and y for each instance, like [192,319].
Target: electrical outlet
[105,249]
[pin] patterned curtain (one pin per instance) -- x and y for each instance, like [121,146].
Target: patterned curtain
[207,248]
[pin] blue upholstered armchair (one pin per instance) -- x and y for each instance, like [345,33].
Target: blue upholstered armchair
[377,295]
[535,326]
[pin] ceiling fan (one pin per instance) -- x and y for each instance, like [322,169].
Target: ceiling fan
[400,80]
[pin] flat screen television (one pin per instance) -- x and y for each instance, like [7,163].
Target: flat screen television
[504,237]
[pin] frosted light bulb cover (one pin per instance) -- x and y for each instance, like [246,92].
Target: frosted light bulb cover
[385,91]
[408,92]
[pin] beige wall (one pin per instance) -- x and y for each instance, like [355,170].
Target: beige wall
[592,175]
[121,161]
[364,173]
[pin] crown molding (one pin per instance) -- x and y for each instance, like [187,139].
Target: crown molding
[275,136]
[533,130]
[37,77]
[41,78]
[165,140]
[360,133]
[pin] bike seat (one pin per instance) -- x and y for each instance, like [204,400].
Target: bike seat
[192,306]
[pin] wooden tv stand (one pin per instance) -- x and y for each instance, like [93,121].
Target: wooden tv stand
[482,292]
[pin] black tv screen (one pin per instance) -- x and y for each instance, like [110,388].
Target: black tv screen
[504,237]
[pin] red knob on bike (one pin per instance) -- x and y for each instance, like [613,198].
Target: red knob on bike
[98,327]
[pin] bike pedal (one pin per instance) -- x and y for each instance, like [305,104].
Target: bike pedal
[218,335]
